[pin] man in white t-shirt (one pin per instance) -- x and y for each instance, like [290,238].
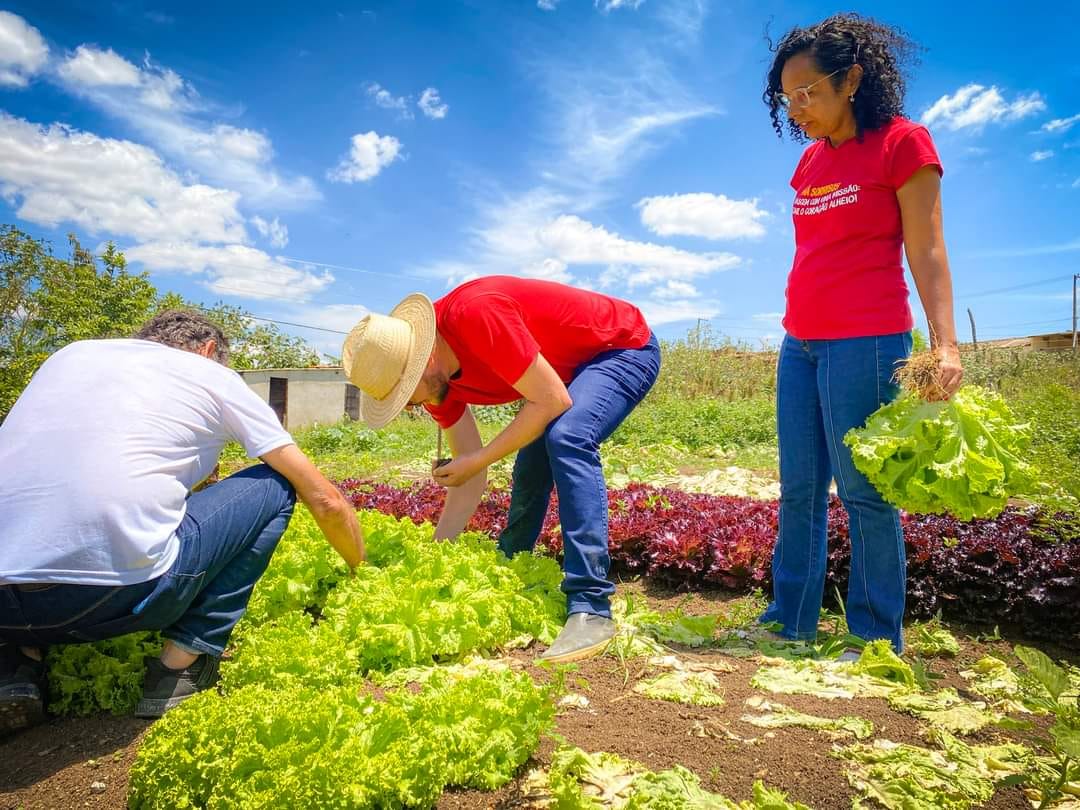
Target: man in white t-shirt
[100,532]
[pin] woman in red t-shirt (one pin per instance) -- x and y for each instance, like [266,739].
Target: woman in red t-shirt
[867,187]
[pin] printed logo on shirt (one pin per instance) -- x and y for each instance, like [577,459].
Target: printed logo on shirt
[814,200]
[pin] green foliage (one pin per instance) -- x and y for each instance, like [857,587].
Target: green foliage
[1053,411]
[964,457]
[46,303]
[285,745]
[103,676]
[932,639]
[252,344]
[708,366]
[417,603]
[699,423]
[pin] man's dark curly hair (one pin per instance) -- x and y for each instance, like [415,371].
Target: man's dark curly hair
[185,329]
[839,42]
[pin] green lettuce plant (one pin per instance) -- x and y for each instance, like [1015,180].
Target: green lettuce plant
[964,457]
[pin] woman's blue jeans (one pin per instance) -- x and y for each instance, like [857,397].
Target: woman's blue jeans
[604,392]
[824,388]
[227,537]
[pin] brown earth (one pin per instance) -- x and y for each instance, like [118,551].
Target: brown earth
[56,764]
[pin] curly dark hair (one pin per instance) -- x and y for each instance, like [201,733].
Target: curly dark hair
[185,329]
[839,42]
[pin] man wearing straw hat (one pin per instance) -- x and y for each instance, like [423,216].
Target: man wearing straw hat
[581,362]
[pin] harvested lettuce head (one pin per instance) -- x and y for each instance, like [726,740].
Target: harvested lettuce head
[964,457]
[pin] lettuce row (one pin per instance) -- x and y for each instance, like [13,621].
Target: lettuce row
[275,746]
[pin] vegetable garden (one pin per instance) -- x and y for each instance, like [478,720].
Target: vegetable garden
[413,682]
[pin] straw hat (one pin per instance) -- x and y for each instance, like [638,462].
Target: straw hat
[385,355]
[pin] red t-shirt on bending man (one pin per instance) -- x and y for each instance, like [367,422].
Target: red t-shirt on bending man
[847,279]
[496,325]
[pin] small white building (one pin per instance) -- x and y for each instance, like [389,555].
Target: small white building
[304,396]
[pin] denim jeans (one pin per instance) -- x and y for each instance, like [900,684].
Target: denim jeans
[227,537]
[824,388]
[604,392]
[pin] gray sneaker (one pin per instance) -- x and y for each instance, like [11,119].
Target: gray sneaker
[583,636]
[165,688]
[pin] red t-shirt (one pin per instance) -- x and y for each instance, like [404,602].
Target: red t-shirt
[496,325]
[847,279]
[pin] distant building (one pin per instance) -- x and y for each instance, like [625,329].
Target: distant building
[1054,341]
[304,396]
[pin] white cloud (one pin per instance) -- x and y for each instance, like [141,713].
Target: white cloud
[388,101]
[339,317]
[575,241]
[684,18]
[96,68]
[277,233]
[23,51]
[431,105]
[369,154]
[1061,124]
[606,120]
[610,5]
[234,270]
[547,5]
[58,174]
[712,216]
[549,270]
[675,290]
[1042,154]
[768,316]
[974,106]
[169,113]
[658,313]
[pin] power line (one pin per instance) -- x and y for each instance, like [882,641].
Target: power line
[283,323]
[1013,287]
[1025,323]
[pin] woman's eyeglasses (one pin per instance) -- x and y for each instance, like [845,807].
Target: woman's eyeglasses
[800,97]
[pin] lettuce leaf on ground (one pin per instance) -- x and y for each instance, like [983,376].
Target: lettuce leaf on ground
[954,776]
[578,780]
[777,715]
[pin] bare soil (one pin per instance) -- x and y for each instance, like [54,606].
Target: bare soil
[57,764]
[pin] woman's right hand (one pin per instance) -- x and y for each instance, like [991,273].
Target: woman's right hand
[950,372]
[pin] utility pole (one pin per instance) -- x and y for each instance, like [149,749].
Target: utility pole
[971,318]
[1076,277]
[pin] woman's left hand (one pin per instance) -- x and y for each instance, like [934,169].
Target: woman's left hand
[950,370]
[458,471]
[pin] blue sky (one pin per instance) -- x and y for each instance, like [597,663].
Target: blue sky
[312,162]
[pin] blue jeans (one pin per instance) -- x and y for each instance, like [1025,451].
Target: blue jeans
[227,537]
[824,388]
[604,392]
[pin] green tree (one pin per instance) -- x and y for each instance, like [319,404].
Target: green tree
[46,303]
[257,345]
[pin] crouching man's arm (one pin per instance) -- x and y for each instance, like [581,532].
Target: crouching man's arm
[332,512]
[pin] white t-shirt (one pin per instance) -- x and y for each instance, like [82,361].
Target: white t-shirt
[99,453]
